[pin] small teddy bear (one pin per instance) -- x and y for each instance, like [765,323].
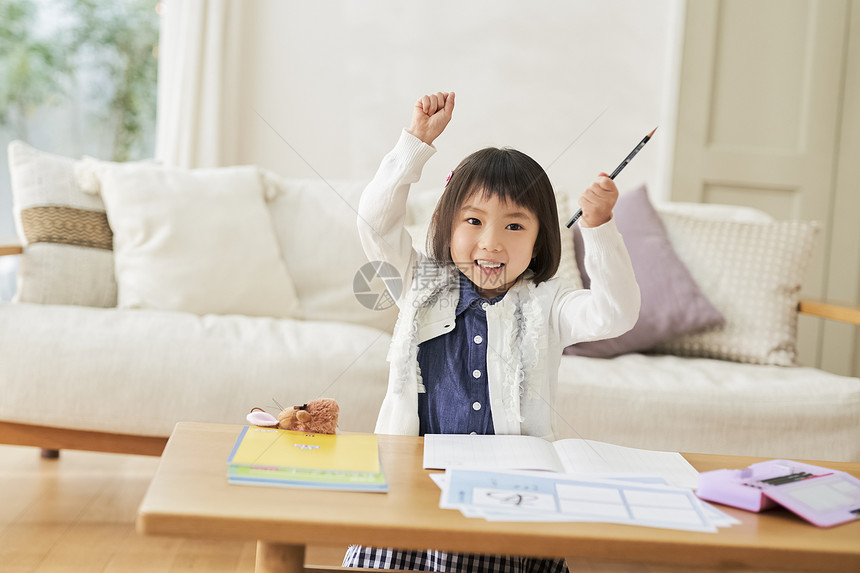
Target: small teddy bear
[317,417]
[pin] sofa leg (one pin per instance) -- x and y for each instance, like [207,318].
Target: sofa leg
[50,454]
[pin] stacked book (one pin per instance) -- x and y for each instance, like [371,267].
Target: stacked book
[266,456]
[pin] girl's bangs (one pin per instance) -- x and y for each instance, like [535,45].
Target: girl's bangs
[503,178]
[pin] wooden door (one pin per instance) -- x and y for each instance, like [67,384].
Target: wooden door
[768,117]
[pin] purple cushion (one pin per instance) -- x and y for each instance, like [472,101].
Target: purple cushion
[672,303]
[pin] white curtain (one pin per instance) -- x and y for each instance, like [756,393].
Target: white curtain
[198,80]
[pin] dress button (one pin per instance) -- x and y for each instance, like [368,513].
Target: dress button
[478,339]
[485,305]
[476,373]
[476,406]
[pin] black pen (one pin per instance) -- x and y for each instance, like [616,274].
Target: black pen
[617,171]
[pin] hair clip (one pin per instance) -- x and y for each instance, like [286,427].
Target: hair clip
[448,179]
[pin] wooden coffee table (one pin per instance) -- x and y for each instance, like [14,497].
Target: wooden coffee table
[190,497]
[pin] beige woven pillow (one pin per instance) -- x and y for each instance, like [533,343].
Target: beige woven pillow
[68,257]
[752,273]
[567,267]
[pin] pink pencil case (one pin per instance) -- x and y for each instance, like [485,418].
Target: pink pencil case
[820,495]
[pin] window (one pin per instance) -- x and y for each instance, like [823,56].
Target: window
[77,77]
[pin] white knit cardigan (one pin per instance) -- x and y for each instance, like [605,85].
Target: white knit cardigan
[526,331]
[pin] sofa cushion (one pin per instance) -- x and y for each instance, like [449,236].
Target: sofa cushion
[141,371]
[752,272]
[672,303]
[316,225]
[568,267]
[709,406]
[715,212]
[68,256]
[198,241]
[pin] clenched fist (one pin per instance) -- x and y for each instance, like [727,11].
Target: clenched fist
[431,115]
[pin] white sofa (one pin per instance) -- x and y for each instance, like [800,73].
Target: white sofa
[117,379]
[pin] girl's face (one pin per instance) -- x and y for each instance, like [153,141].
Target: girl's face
[492,242]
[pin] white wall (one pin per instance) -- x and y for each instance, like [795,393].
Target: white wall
[337,81]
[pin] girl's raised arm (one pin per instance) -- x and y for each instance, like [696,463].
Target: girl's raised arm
[382,208]
[611,306]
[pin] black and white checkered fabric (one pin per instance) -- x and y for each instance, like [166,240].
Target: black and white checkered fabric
[430,560]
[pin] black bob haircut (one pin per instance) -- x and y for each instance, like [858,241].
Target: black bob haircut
[512,177]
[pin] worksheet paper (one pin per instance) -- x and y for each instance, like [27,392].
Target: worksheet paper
[714,516]
[533,496]
[445,451]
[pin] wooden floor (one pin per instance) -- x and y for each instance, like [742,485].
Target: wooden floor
[77,514]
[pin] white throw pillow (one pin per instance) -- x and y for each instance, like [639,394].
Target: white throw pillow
[68,256]
[198,241]
[752,272]
[419,213]
[315,221]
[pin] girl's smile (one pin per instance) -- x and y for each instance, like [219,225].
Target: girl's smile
[492,242]
[490,268]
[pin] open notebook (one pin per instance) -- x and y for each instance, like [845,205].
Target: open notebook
[444,451]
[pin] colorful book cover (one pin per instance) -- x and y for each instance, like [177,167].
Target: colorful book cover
[267,456]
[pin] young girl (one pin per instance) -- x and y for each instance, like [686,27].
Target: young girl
[482,323]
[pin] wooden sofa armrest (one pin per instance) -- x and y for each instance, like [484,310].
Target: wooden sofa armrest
[11,250]
[67,439]
[831,311]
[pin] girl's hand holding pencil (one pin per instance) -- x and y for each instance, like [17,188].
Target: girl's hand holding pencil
[618,169]
[431,115]
[597,201]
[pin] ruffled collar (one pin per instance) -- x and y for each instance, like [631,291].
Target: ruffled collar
[522,322]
